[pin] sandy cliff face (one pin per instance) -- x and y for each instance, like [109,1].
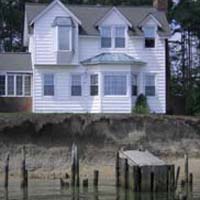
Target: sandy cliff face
[48,138]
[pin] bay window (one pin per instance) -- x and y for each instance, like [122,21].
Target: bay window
[149,34]
[115,84]
[2,84]
[94,89]
[76,85]
[119,37]
[150,88]
[48,85]
[134,85]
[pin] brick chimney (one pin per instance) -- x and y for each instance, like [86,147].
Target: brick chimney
[161,5]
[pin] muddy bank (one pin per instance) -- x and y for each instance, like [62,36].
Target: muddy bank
[48,139]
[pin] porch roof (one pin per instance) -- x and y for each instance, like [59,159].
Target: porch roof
[112,58]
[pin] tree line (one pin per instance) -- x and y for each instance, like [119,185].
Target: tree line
[184,18]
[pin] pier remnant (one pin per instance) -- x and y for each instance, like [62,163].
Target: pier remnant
[75,180]
[24,171]
[141,171]
[186,168]
[96,178]
[6,169]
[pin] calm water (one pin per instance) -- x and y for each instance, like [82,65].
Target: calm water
[50,190]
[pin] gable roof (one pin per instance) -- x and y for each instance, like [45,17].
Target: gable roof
[47,8]
[15,62]
[114,9]
[91,14]
[112,58]
[145,20]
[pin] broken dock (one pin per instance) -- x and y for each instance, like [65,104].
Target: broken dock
[141,171]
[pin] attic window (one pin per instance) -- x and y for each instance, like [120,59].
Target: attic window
[149,34]
[64,27]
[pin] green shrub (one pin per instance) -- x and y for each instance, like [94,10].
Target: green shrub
[141,105]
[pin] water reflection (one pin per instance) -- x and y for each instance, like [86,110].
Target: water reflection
[92,193]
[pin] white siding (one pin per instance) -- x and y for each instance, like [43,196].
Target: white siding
[86,47]
[45,37]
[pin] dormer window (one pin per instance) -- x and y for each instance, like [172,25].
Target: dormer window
[113,37]
[64,38]
[119,37]
[150,35]
[106,39]
[64,26]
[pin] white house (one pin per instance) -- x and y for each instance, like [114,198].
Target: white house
[91,59]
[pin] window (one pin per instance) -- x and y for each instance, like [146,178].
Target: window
[115,85]
[27,85]
[113,37]
[149,33]
[2,84]
[10,85]
[94,85]
[119,37]
[19,85]
[76,89]
[48,85]
[64,38]
[134,85]
[106,37]
[150,85]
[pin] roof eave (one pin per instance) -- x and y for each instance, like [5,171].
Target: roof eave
[49,7]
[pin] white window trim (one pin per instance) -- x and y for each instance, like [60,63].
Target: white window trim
[156,29]
[54,83]
[15,87]
[57,40]
[98,84]
[4,74]
[116,73]
[144,78]
[72,74]
[137,74]
[113,37]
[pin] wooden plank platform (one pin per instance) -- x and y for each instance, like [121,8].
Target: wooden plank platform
[141,158]
[141,171]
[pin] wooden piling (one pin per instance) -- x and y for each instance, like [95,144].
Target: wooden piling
[96,178]
[85,183]
[152,182]
[177,177]
[24,172]
[186,168]
[73,166]
[117,170]
[126,174]
[191,181]
[77,168]
[7,171]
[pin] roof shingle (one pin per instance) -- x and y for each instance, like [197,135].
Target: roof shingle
[91,14]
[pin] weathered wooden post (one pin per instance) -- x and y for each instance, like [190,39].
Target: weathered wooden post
[177,177]
[7,171]
[126,174]
[85,183]
[73,166]
[186,168]
[117,170]
[152,182]
[24,172]
[96,178]
[191,181]
[77,168]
